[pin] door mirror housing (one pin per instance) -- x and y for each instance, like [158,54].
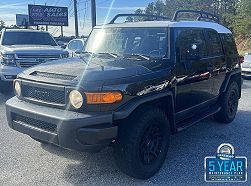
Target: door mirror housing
[78,51]
[63,46]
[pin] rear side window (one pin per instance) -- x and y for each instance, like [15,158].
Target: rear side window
[229,44]
[230,49]
[214,48]
[185,38]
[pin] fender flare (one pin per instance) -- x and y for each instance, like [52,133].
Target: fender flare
[137,102]
[227,79]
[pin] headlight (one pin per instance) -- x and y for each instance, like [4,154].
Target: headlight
[8,59]
[17,88]
[76,99]
[66,55]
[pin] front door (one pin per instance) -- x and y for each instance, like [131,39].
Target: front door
[217,59]
[194,83]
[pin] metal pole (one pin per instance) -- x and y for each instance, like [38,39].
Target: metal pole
[93,12]
[62,31]
[46,26]
[76,18]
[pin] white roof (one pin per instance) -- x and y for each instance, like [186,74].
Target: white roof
[181,24]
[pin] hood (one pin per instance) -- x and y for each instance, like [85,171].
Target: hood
[32,49]
[74,69]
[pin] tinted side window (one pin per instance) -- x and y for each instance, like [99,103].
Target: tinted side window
[214,44]
[230,49]
[185,38]
[229,44]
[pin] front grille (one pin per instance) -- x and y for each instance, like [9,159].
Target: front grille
[26,64]
[35,123]
[44,95]
[26,61]
[47,56]
[53,75]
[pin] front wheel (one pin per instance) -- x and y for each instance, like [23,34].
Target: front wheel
[229,104]
[142,143]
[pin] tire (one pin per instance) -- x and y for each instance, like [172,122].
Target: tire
[40,141]
[136,152]
[229,104]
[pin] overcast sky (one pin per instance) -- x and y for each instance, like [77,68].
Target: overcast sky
[9,9]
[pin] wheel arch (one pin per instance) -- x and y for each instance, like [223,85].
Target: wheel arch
[165,101]
[233,76]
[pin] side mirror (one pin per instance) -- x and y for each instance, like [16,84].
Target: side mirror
[63,46]
[193,53]
[78,51]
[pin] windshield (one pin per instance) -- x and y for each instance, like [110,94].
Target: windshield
[150,42]
[28,38]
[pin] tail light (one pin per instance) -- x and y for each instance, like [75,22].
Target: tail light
[241,59]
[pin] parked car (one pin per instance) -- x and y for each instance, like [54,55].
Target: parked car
[75,47]
[135,85]
[246,66]
[61,44]
[21,48]
[63,41]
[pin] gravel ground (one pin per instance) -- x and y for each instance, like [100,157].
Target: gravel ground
[24,161]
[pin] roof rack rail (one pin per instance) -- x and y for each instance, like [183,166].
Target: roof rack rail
[149,16]
[203,15]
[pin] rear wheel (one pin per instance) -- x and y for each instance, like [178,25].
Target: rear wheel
[229,104]
[142,143]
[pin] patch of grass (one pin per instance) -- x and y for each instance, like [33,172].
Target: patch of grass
[243,44]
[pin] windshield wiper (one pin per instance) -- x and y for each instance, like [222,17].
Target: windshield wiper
[83,59]
[87,62]
[108,53]
[101,53]
[144,57]
[86,52]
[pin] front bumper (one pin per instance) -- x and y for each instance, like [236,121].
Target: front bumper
[77,131]
[9,73]
[246,73]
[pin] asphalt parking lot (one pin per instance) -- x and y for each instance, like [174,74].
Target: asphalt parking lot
[24,161]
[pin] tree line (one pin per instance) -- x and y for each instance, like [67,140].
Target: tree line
[234,14]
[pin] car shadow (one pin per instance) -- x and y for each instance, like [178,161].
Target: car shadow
[246,84]
[6,92]
[184,163]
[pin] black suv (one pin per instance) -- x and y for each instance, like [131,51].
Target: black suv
[135,85]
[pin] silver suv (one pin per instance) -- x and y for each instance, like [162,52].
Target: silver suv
[21,49]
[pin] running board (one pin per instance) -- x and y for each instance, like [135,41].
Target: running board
[195,119]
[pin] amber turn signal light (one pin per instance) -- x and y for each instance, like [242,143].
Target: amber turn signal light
[103,97]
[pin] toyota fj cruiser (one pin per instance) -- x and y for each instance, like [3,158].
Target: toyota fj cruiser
[135,84]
